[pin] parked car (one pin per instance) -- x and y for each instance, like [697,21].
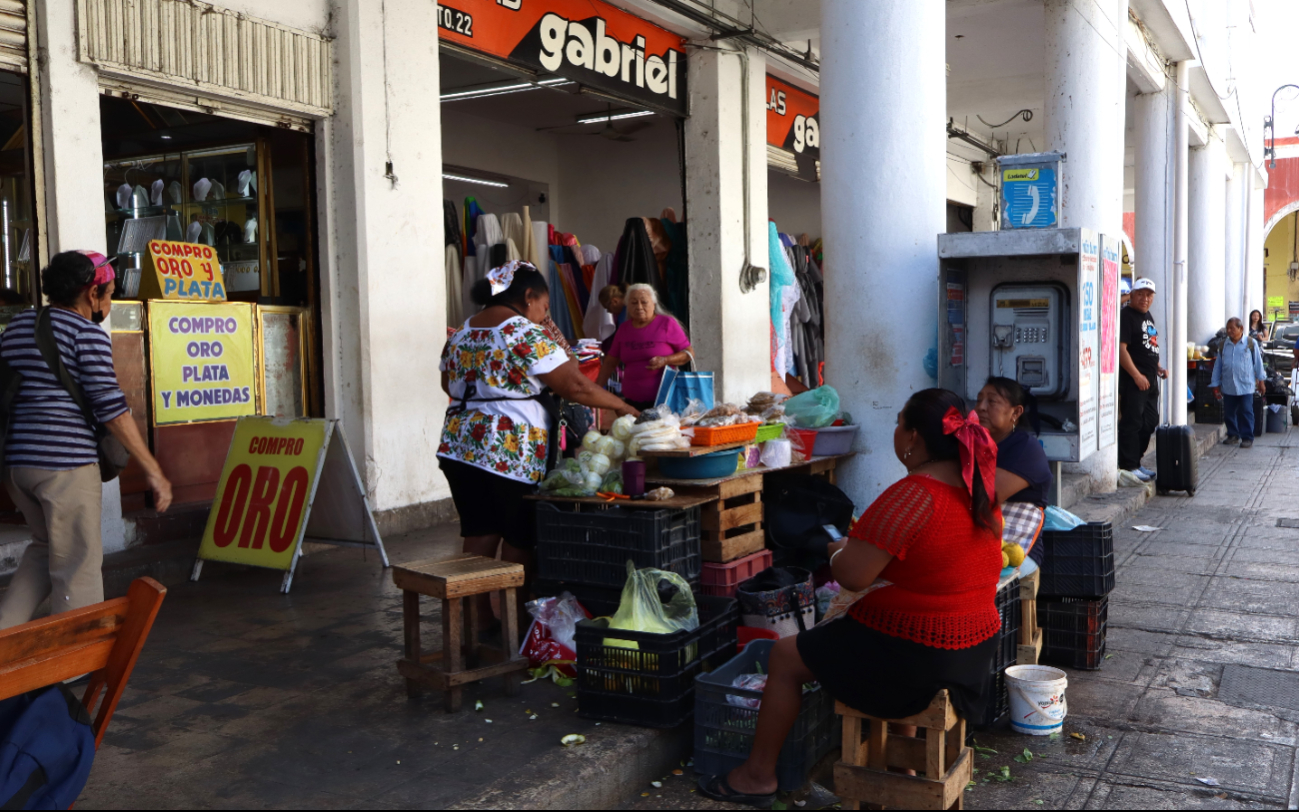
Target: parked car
[1281,349]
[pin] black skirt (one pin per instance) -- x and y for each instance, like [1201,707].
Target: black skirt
[491,505]
[892,678]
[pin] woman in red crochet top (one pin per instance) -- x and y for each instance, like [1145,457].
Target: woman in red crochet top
[934,537]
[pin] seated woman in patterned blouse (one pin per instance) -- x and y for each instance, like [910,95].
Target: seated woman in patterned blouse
[495,438]
[930,621]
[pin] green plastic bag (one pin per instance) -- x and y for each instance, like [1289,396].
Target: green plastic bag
[814,409]
[643,607]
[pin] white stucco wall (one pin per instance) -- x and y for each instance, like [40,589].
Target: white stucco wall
[506,149]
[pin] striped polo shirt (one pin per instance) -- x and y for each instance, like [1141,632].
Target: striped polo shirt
[47,430]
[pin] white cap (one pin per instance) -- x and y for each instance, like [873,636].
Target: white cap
[1144,284]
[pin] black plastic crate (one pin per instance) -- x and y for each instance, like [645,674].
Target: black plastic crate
[598,600]
[1007,653]
[653,684]
[1073,631]
[594,548]
[1208,409]
[724,731]
[1078,563]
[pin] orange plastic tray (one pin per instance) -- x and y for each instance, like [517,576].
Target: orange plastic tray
[743,433]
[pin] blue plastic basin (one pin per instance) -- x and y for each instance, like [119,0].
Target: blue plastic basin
[706,466]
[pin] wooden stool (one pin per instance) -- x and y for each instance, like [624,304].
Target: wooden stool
[452,580]
[1030,634]
[946,763]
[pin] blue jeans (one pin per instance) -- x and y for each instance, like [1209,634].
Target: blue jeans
[1238,414]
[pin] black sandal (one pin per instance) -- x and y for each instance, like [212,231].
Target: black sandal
[719,789]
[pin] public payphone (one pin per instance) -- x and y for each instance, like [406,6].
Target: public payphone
[1038,306]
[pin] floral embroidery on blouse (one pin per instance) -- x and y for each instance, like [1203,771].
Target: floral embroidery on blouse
[500,362]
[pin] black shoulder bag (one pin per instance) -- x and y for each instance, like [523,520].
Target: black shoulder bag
[113,456]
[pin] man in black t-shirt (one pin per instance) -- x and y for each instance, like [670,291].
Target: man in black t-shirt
[1138,380]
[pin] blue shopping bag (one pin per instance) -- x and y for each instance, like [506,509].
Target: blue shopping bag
[678,388]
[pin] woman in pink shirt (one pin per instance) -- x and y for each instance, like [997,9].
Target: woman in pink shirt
[646,343]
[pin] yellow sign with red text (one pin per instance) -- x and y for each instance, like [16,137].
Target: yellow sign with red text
[262,499]
[182,270]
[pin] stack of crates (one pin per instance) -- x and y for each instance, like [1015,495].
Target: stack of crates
[1073,599]
[586,553]
[1208,408]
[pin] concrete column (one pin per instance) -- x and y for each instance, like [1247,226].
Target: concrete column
[729,327]
[74,171]
[1155,199]
[1255,298]
[384,336]
[1175,333]
[1206,301]
[1234,244]
[1086,87]
[882,203]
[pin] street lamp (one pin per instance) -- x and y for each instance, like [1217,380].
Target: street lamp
[1269,127]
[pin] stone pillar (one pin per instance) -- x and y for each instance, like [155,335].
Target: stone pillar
[383,303]
[881,215]
[1255,298]
[1155,199]
[729,328]
[1086,87]
[1234,244]
[74,171]
[1175,332]
[1206,304]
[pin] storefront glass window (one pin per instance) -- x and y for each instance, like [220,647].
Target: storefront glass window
[18,254]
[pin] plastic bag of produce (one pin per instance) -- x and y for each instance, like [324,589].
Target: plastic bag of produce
[814,409]
[777,453]
[612,483]
[654,601]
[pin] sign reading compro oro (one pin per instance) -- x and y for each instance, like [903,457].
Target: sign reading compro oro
[262,500]
[203,367]
[182,270]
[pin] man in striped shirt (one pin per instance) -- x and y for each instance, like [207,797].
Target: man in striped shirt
[51,451]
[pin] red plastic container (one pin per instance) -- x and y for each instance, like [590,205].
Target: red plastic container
[721,580]
[804,440]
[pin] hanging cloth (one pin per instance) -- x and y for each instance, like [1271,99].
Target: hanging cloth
[512,229]
[455,296]
[661,245]
[451,224]
[636,257]
[677,281]
[782,276]
[470,275]
[599,322]
[488,234]
[559,312]
[573,257]
[540,247]
[472,212]
[511,251]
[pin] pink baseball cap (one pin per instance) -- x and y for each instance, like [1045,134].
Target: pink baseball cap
[103,268]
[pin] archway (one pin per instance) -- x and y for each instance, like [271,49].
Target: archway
[1281,262]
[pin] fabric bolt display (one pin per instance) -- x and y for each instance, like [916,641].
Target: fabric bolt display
[511,251]
[497,255]
[560,314]
[540,250]
[574,257]
[512,229]
[455,294]
[487,234]
[469,275]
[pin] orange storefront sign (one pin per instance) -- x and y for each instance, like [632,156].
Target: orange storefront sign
[588,41]
[793,119]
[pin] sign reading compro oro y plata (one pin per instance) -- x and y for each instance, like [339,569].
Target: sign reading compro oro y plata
[182,270]
[202,361]
[588,41]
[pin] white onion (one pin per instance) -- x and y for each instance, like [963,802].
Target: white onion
[591,439]
[599,464]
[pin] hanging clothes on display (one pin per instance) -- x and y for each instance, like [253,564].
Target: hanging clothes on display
[635,258]
[676,269]
[599,323]
[472,212]
[455,293]
[782,277]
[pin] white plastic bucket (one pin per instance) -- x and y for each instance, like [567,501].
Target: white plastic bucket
[1037,703]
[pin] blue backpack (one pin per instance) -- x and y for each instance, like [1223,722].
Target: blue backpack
[46,749]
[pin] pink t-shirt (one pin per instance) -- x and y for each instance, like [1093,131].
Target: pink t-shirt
[635,346]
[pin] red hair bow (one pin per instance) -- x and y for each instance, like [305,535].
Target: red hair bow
[976,444]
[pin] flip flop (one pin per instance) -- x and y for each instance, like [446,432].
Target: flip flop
[719,789]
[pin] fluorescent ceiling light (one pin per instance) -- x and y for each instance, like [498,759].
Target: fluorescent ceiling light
[603,117]
[483,181]
[501,89]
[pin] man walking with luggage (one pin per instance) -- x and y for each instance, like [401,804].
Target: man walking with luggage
[1237,373]
[1138,381]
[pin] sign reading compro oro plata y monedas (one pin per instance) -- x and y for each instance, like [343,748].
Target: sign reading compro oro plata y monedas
[203,367]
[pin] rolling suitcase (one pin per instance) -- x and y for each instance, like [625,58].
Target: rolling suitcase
[1175,460]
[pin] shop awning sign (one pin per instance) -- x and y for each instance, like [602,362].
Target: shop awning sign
[202,361]
[588,41]
[182,270]
[286,482]
[793,119]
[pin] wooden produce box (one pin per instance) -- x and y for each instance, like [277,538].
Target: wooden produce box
[732,524]
[1030,634]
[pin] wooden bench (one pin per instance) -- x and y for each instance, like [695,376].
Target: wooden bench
[452,581]
[944,765]
[103,640]
[1030,634]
